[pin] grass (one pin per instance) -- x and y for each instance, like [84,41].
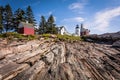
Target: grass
[14,35]
[46,35]
[68,38]
[62,37]
[10,36]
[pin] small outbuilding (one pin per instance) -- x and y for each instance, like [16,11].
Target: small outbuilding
[26,28]
[62,30]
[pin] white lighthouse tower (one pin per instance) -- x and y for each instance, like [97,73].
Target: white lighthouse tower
[77,30]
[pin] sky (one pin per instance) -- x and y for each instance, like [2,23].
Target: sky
[100,16]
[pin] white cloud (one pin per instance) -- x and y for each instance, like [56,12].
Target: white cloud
[76,5]
[75,19]
[103,18]
[79,5]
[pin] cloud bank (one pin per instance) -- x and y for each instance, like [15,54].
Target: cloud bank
[103,18]
[75,19]
[76,5]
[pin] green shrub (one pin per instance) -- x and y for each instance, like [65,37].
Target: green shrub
[0,35]
[46,35]
[58,37]
[68,38]
[31,37]
[12,35]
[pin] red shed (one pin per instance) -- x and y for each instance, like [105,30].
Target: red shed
[26,28]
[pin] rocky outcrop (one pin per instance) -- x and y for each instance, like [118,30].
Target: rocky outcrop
[116,44]
[47,60]
[106,36]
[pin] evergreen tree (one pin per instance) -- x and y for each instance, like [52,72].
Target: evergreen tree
[51,26]
[7,17]
[19,16]
[42,26]
[1,19]
[51,19]
[1,28]
[30,16]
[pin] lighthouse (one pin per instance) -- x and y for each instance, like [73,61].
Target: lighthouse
[77,30]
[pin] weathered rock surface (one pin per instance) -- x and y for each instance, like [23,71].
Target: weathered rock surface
[47,60]
[116,44]
[106,36]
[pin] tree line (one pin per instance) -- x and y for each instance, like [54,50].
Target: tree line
[47,26]
[9,20]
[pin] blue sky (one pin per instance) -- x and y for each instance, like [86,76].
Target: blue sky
[100,16]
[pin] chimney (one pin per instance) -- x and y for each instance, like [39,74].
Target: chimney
[26,21]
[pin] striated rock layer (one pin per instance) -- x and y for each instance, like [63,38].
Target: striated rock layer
[47,60]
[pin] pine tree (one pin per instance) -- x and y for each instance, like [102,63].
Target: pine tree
[1,28]
[51,26]
[19,16]
[51,19]
[42,26]
[30,16]
[7,17]
[1,19]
